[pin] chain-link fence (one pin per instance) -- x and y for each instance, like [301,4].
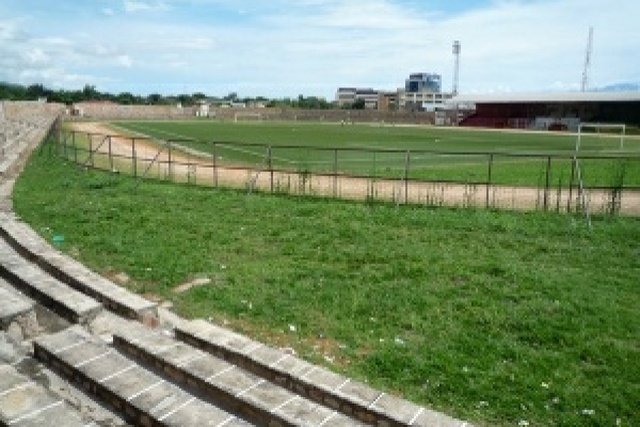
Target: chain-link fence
[551,182]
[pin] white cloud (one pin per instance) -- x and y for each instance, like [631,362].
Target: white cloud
[286,47]
[125,61]
[36,56]
[107,11]
[133,6]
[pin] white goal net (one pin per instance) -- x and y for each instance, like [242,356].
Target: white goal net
[611,131]
[247,117]
[614,131]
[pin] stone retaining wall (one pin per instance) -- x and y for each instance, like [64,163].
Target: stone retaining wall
[109,111]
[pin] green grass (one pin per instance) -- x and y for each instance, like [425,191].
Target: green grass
[317,141]
[491,317]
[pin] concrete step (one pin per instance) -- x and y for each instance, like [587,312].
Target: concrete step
[51,293]
[247,394]
[25,403]
[31,246]
[13,305]
[312,382]
[31,280]
[7,164]
[141,396]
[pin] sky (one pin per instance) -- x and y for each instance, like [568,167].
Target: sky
[279,48]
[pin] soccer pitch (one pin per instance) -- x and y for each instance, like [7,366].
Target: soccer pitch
[414,152]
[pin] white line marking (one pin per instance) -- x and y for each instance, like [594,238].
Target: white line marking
[164,349]
[224,371]
[69,347]
[36,412]
[176,409]
[304,377]
[17,387]
[191,359]
[415,417]
[375,401]
[248,389]
[227,421]
[326,420]
[347,381]
[93,359]
[115,374]
[133,396]
[277,362]
[282,405]
[253,347]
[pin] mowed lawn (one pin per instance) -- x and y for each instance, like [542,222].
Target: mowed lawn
[497,318]
[445,154]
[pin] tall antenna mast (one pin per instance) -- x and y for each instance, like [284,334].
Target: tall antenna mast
[587,61]
[456,69]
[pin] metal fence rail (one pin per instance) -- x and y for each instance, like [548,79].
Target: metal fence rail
[520,181]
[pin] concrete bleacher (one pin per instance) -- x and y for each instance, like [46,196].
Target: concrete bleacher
[26,403]
[22,126]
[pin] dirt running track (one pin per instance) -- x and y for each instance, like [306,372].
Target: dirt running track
[193,167]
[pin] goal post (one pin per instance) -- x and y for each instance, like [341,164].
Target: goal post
[246,116]
[622,128]
[582,191]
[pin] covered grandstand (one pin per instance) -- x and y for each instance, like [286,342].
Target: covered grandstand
[552,111]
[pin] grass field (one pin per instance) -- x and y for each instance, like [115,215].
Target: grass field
[498,318]
[435,153]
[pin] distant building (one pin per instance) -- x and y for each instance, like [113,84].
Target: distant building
[422,101]
[423,82]
[422,92]
[387,101]
[203,109]
[347,96]
[549,110]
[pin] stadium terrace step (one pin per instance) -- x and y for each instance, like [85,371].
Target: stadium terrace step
[141,396]
[24,403]
[7,163]
[223,383]
[31,246]
[66,302]
[12,304]
[312,382]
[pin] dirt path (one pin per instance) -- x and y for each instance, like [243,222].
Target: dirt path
[188,166]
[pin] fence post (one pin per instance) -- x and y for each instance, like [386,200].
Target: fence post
[406,177]
[75,148]
[110,155]
[91,151]
[489,177]
[169,171]
[270,164]
[215,170]
[547,184]
[134,164]
[573,177]
[335,173]
[59,135]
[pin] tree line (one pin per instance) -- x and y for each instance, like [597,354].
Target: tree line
[16,92]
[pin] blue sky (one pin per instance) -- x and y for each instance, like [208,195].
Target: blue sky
[281,48]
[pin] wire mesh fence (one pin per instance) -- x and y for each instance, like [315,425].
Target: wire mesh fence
[551,182]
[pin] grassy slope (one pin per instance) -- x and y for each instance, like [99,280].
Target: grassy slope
[493,317]
[467,168]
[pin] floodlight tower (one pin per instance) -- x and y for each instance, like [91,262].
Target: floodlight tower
[587,61]
[456,69]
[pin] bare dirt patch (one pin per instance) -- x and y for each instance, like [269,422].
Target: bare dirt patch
[186,167]
[197,282]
